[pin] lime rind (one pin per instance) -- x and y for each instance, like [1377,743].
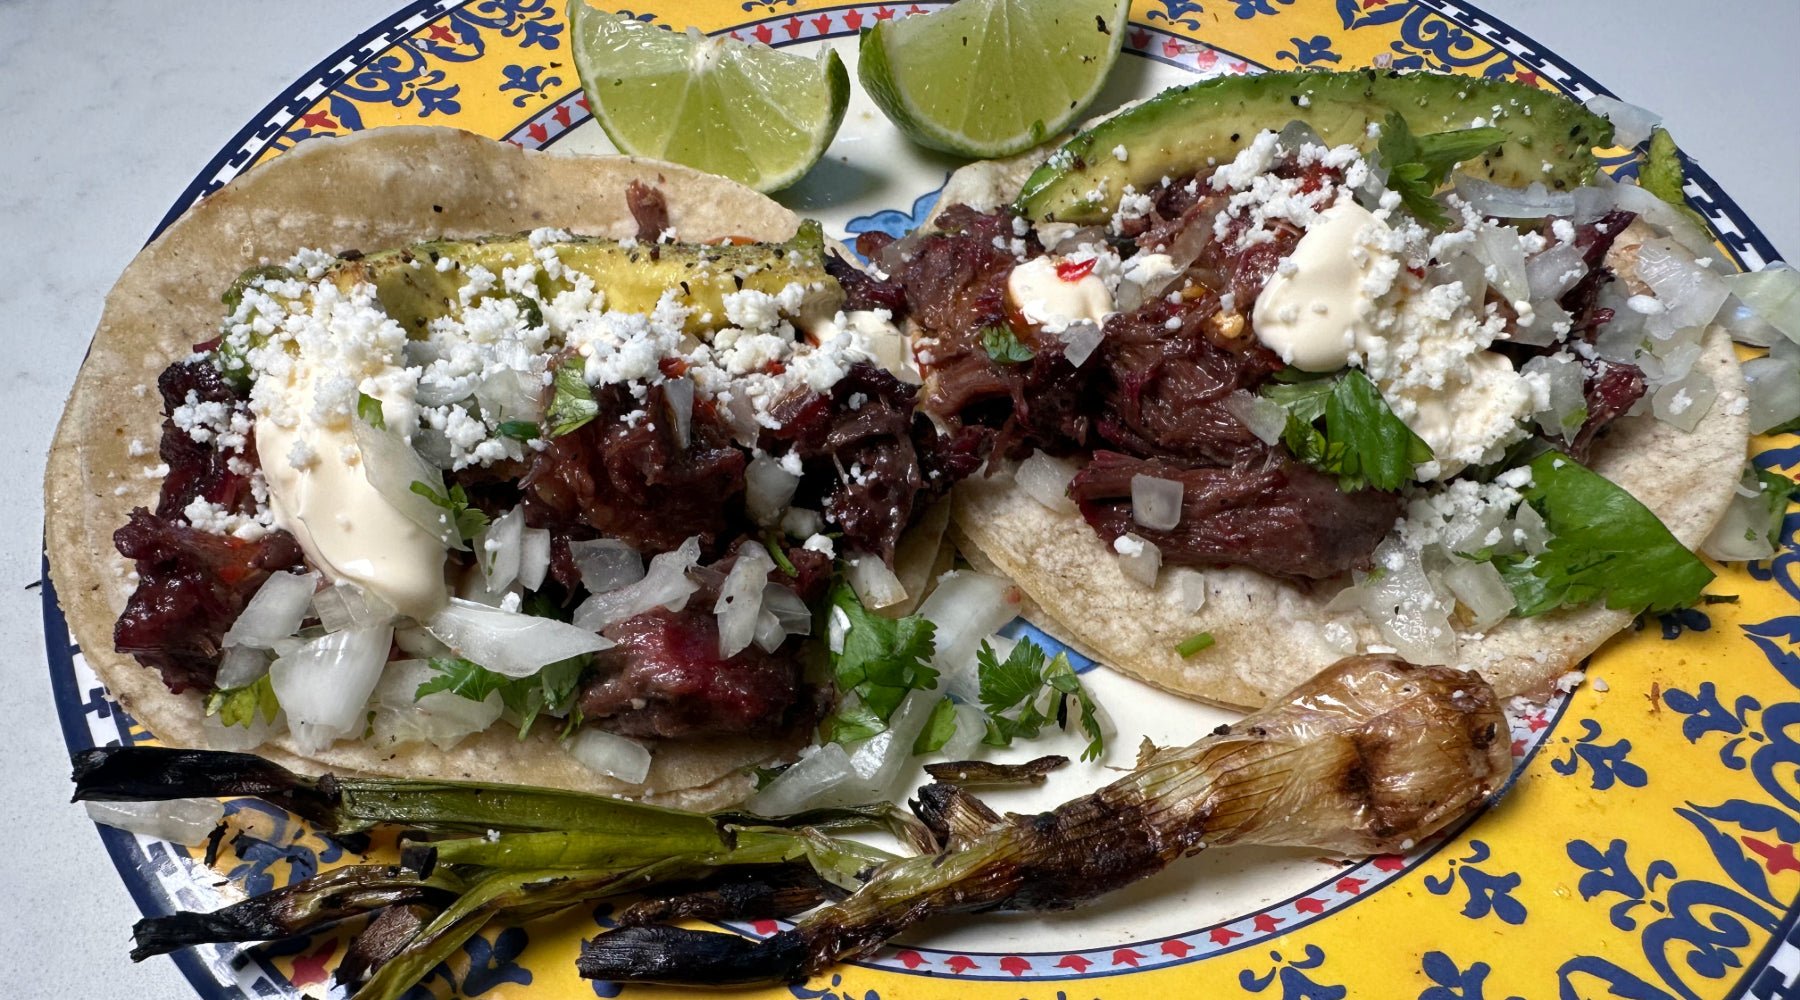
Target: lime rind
[990,78]
[744,111]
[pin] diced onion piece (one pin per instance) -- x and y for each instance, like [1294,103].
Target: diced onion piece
[740,598]
[875,585]
[1497,247]
[1046,480]
[606,564]
[1528,530]
[1773,294]
[1684,401]
[1554,271]
[612,755]
[1691,294]
[1140,559]
[678,393]
[966,607]
[768,489]
[179,821]
[1533,201]
[1773,385]
[665,585]
[392,467]
[324,685]
[1742,534]
[1156,503]
[275,611]
[512,394]
[1479,587]
[497,550]
[801,522]
[1079,340]
[1565,406]
[1658,212]
[418,642]
[877,763]
[795,788]
[787,607]
[242,665]
[345,605]
[769,633]
[971,726]
[1193,591]
[1264,417]
[1402,603]
[534,557]
[507,642]
[1631,124]
[837,625]
[441,718]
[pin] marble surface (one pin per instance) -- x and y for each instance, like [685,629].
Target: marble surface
[110,106]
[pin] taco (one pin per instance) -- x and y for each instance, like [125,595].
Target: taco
[1271,383]
[410,471]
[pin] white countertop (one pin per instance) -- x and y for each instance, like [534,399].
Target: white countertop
[110,108]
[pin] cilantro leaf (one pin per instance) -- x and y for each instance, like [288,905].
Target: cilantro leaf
[1004,347]
[1363,443]
[552,688]
[468,520]
[938,729]
[368,410]
[572,399]
[1012,688]
[460,677]
[239,706]
[882,659]
[518,430]
[1604,544]
[1418,165]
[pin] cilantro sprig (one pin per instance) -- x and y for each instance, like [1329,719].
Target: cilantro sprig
[882,660]
[240,706]
[1004,347]
[1362,442]
[572,402]
[1604,544]
[551,689]
[468,520]
[1418,165]
[938,728]
[1012,688]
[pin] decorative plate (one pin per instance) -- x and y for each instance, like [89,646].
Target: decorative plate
[1646,848]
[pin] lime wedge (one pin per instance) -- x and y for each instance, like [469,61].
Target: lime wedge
[990,78]
[748,112]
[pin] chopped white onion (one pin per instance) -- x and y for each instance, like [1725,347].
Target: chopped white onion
[966,607]
[971,726]
[789,610]
[740,598]
[1046,480]
[1553,272]
[1264,417]
[1683,402]
[1079,340]
[392,467]
[801,522]
[875,584]
[1691,294]
[324,685]
[1193,591]
[441,718]
[1773,295]
[179,821]
[1680,226]
[1742,534]
[878,761]
[417,642]
[768,489]
[1404,605]
[1462,268]
[612,755]
[794,789]
[1528,530]
[275,611]
[497,550]
[1631,124]
[606,564]
[769,633]
[678,393]
[1156,503]
[534,557]
[1534,201]
[665,585]
[1565,405]
[511,395]
[345,605]
[836,626]
[1773,385]
[1139,558]
[1497,247]
[507,642]
[1479,587]
[242,665]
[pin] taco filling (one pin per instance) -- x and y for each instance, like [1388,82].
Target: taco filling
[528,476]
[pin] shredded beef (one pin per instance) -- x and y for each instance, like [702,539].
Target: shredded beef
[956,278]
[632,480]
[192,585]
[648,209]
[1610,390]
[1279,517]
[863,290]
[199,470]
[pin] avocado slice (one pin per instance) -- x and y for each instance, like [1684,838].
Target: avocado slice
[414,290]
[1183,131]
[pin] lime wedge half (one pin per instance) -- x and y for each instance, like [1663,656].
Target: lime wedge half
[745,111]
[989,78]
